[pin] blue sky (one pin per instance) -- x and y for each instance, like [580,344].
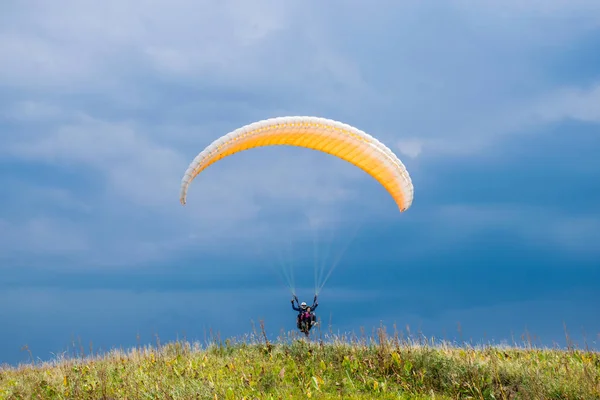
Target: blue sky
[492,107]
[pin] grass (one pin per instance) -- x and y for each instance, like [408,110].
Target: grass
[380,366]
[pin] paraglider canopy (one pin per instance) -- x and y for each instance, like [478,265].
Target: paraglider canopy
[325,135]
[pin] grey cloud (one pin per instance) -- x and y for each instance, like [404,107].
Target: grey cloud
[134,96]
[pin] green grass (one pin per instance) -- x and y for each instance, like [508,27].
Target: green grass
[330,367]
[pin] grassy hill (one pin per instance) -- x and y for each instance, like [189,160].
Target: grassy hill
[380,366]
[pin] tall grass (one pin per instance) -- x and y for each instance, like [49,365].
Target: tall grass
[379,365]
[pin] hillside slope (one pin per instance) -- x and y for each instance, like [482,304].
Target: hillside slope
[379,368]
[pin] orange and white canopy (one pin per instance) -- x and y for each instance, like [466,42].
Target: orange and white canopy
[325,135]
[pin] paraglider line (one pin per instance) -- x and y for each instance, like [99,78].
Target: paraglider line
[338,259]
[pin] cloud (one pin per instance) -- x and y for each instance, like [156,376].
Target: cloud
[525,116]
[64,47]
[410,148]
[41,235]
[30,111]
[134,165]
[127,96]
[572,103]
[546,227]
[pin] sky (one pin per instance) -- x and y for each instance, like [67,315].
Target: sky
[492,106]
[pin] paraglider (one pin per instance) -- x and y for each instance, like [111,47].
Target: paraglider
[325,135]
[306,318]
